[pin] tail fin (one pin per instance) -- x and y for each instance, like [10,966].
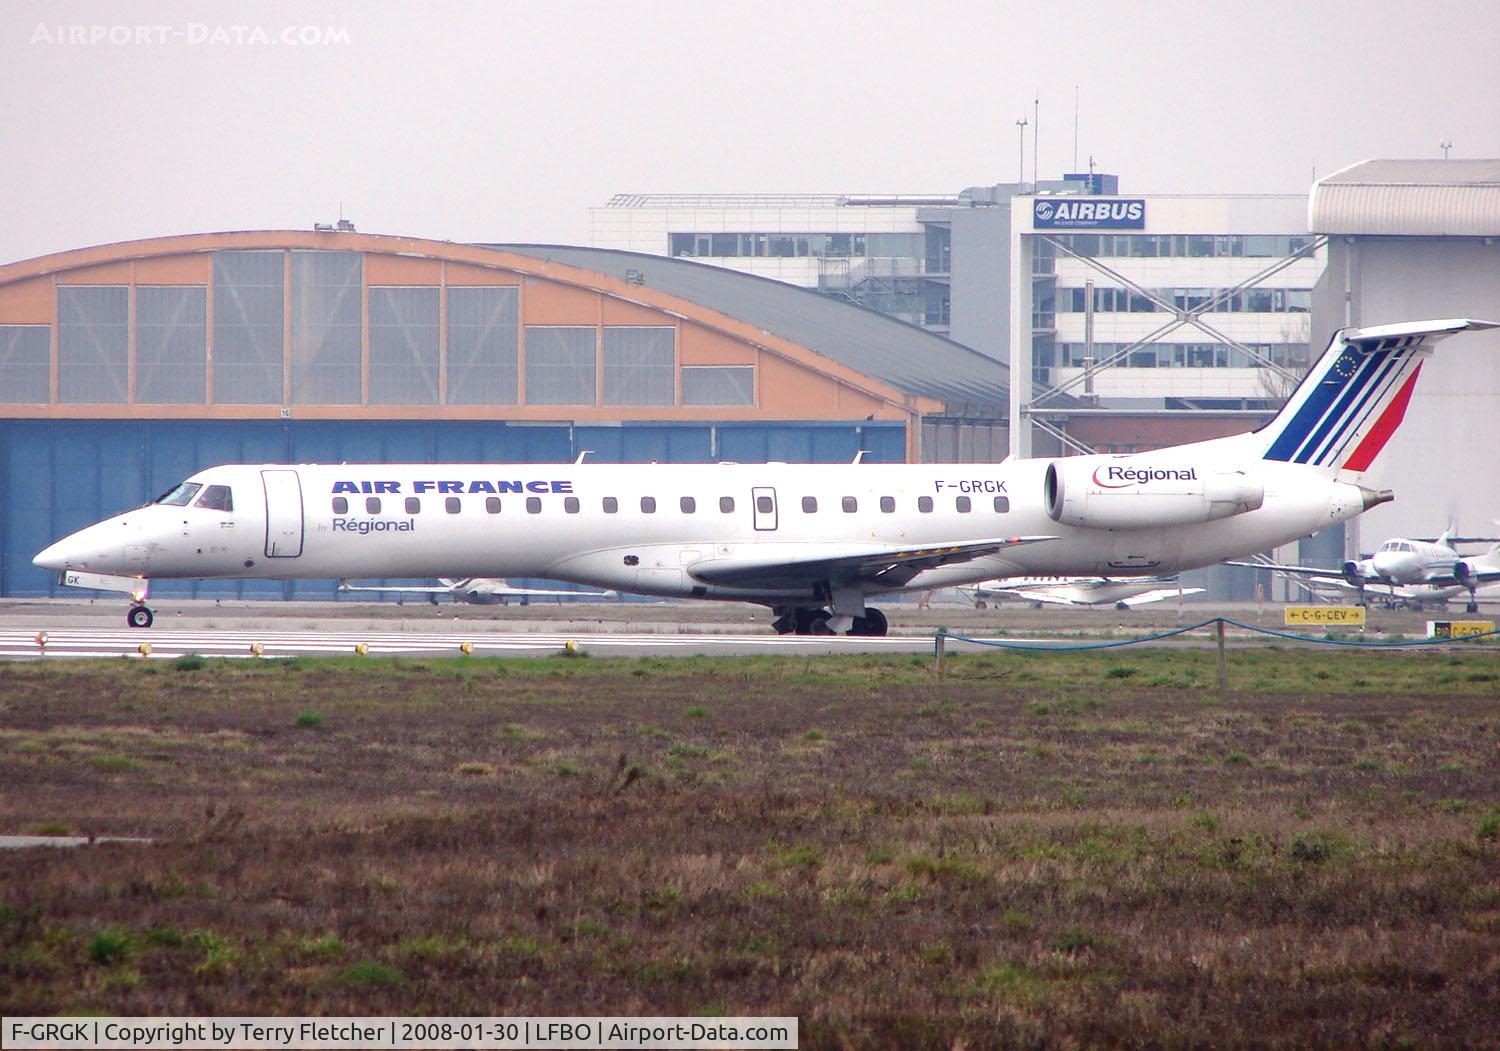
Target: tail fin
[1353,399]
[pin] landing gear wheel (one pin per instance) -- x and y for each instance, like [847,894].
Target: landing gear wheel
[873,624]
[139,617]
[817,623]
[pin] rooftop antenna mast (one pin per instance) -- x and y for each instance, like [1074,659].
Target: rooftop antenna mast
[1445,145]
[1075,127]
[1036,128]
[1021,123]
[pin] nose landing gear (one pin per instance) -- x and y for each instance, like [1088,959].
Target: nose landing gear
[139,616]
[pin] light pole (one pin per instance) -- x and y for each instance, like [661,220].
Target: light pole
[1445,145]
[1021,123]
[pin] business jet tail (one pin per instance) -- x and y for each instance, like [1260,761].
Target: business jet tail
[1353,399]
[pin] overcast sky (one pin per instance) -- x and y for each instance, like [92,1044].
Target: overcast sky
[508,121]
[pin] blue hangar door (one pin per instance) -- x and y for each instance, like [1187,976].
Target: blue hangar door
[283,514]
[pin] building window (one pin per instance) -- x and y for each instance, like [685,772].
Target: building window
[25,364]
[326,324]
[483,329]
[413,505]
[638,365]
[249,308]
[404,346]
[718,385]
[93,337]
[560,365]
[171,332]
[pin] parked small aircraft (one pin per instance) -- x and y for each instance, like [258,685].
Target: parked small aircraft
[1410,571]
[1078,591]
[478,591]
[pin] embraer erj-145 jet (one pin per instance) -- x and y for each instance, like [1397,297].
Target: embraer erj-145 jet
[815,542]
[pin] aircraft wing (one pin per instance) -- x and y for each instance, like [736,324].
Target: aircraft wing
[345,586]
[1158,595]
[798,565]
[1317,572]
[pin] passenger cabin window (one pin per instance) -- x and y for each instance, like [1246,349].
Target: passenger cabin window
[688,505]
[611,505]
[888,504]
[851,505]
[533,505]
[963,505]
[764,505]
[216,498]
[372,505]
[810,505]
[1002,505]
[726,504]
[181,496]
[648,505]
[924,504]
[492,504]
[413,505]
[452,505]
[570,505]
[340,505]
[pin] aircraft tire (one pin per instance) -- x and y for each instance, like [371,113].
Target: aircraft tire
[818,623]
[139,617]
[873,623]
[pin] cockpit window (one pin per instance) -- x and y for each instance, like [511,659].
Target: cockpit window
[181,496]
[216,498]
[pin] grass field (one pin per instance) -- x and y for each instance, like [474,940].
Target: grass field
[1037,850]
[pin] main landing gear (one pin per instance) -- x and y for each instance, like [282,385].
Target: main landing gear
[805,620]
[139,616]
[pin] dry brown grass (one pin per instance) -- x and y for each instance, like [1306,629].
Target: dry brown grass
[1037,851]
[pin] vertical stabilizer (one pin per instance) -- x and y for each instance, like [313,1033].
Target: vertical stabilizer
[1353,399]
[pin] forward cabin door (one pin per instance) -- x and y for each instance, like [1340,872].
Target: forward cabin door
[763,505]
[283,514]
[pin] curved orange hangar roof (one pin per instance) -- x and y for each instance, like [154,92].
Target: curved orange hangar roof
[489,258]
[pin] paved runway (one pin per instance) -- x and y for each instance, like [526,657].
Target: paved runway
[107,642]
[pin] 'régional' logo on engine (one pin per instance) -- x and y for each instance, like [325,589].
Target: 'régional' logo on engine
[1113,476]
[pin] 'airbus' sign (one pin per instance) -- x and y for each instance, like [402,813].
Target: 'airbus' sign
[1071,213]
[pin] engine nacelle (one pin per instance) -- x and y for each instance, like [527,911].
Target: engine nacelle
[1137,494]
[1356,573]
[1464,574]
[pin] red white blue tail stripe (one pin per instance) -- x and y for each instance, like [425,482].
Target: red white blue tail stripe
[1355,397]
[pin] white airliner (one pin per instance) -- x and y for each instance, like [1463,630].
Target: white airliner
[478,591]
[1413,572]
[1079,591]
[815,542]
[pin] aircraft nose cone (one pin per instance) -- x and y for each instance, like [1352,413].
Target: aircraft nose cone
[86,549]
[55,557]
